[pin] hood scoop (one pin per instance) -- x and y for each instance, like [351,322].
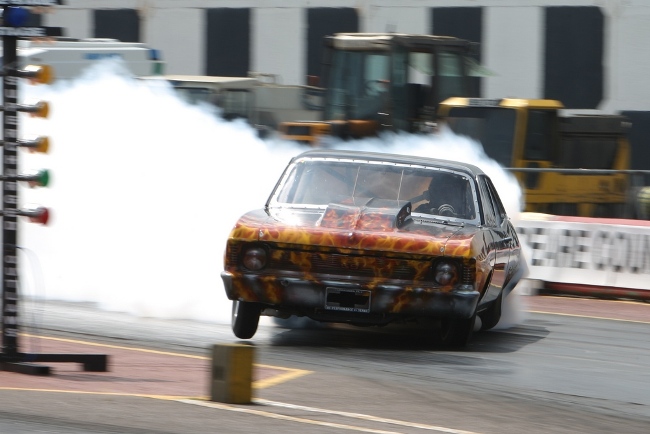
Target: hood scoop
[369,215]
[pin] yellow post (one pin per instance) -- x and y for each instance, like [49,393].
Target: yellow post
[232,373]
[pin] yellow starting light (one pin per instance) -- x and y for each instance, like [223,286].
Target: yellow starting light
[37,74]
[40,110]
[40,144]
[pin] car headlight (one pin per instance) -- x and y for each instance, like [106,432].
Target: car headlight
[255,258]
[445,273]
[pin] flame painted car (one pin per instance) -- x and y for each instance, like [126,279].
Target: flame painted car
[369,239]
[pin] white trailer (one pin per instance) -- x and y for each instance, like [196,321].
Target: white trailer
[259,98]
[70,57]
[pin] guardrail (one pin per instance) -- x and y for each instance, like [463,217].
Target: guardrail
[637,204]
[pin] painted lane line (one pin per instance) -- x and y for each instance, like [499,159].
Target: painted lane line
[363,417]
[288,375]
[589,316]
[83,392]
[267,414]
[117,347]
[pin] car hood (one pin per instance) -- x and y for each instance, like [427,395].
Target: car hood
[380,226]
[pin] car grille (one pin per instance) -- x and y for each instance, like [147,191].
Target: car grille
[352,265]
[361,266]
[468,274]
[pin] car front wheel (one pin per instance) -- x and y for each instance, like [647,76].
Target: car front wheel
[492,315]
[245,318]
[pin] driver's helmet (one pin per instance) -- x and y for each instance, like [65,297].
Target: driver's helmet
[446,193]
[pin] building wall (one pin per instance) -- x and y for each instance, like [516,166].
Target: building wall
[179,60]
[590,54]
[521,33]
[280,40]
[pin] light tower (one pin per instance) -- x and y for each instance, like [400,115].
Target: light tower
[14,18]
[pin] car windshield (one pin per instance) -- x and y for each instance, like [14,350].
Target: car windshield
[318,182]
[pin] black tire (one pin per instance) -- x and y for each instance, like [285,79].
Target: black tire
[245,318]
[492,315]
[455,333]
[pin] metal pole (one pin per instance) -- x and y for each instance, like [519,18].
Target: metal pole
[9,201]
[11,359]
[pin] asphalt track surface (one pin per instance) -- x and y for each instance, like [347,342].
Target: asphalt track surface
[569,365]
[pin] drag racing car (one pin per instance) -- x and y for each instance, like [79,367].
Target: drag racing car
[370,239]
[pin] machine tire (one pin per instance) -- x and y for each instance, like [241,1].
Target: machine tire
[245,318]
[492,315]
[455,333]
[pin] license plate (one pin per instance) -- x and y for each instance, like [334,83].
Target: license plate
[348,300]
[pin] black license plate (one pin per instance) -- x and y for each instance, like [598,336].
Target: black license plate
[348,300]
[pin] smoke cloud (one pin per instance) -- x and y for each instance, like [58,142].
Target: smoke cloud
[145,189]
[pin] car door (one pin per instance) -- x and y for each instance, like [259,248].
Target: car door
[501,238]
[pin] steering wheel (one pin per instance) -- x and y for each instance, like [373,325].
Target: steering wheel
[446,210]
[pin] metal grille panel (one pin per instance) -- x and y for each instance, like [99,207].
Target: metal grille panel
[366,266]
[361,266]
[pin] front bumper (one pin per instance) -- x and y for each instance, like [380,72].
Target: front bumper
[350,301]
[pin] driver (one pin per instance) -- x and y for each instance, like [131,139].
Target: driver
[446,195]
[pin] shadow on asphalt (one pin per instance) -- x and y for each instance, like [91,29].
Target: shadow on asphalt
[401,337]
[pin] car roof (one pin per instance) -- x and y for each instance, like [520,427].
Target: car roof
[392,158]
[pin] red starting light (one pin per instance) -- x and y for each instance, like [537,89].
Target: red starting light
[39,215]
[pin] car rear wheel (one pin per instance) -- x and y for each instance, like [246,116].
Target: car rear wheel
[456,332]
[492,315]
[245,318]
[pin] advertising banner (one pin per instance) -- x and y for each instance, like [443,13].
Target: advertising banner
[587,251]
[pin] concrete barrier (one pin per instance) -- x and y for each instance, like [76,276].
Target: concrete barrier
[587,256]
[231,376]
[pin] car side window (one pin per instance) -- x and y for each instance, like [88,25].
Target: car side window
[489,214]
[496,200]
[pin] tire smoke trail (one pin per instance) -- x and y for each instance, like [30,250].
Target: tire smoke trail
[146,187]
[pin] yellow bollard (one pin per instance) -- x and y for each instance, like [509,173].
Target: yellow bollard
[231,379]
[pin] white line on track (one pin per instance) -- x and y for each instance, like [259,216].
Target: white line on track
[589,316]
[359,416]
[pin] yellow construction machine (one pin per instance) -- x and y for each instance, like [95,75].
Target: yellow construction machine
[566,165]
[375,82]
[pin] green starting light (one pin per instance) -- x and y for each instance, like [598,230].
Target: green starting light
[35,178]
[40,178]
[44,177]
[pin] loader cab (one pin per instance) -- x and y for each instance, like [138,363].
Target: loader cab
[513,132]
[395,80]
